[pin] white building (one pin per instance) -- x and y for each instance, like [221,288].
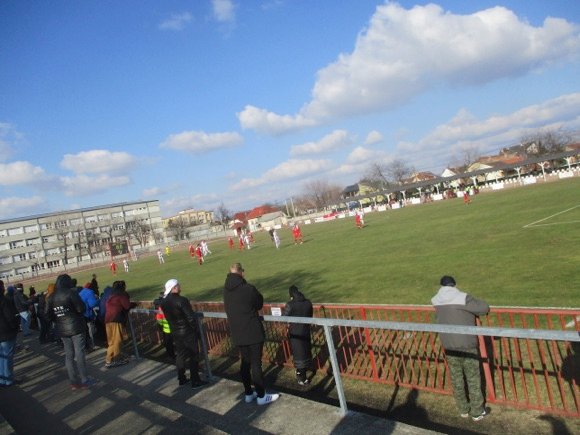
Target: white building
[50,242]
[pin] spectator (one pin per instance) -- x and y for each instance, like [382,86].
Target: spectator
[184,330]
[163,327]
[454,307]
[90,300]
[116,315]
[242,302]
[95,284]
[299,334]
[66,308]
[8,331]
[22,304]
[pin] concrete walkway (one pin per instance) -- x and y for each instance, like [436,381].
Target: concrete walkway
[143,397]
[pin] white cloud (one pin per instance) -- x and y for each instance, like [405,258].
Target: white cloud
[290,169]
[335,140]
[176,22]
[266,122]
[172,206]
[373,137]
[15,206]
[98,162]
[21,172]
[199,142]
[359,160]
[223,10]
[465,130]
[91,185]
[405,52]
[9,137]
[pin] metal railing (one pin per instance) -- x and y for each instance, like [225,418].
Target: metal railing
[408,354]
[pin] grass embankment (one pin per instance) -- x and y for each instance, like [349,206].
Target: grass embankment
[400,255]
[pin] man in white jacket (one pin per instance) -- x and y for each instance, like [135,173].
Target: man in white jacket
[454,307]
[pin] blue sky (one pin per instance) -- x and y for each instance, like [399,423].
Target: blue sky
[195,103]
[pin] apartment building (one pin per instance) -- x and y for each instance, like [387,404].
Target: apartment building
[50,242]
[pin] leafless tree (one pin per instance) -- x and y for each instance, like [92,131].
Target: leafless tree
[178,228]
[397,170]
[548,141]
[223,215]
[140,230]
[320,193]
[466,157]
[62,233]
[376,176]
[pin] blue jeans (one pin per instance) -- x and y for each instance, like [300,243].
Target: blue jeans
[7,362]
[25,322]
[74,352]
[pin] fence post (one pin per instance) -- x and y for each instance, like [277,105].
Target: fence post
[335,370]
[135,349]
[370,346]
[200,328]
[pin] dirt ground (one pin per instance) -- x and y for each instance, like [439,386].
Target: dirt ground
[417,408]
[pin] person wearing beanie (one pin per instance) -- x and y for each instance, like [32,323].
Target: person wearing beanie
[184,330]
[116,315]
[454,307]
[242,303]
[299,333]
[66,308]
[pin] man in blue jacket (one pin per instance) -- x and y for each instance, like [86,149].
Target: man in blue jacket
[90,300]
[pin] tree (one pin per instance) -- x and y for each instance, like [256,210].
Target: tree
[376,176]
[178,228]
[467,156]
[319,194]
[547,141]
[222,215]
[140,230]
[397,170]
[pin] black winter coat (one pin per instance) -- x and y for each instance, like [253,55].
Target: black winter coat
[180,315]
[242,301]
[66,308]
[299,333]
[9,320]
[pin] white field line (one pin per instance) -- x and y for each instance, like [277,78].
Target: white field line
[550,217]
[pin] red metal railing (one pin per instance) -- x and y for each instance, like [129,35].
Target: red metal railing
[526,373]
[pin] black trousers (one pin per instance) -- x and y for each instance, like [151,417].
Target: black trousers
[186,347]
[251,368]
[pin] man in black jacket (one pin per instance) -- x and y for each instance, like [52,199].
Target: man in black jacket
[9,321]
[66,308]
[183,324]
[299,333]
[242,302]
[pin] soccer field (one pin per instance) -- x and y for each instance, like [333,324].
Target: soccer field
[516,247]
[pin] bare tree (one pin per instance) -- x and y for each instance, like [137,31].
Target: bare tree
[320,193]
[547,141]
[178,228]
[466,157]
[376,176]
[62,233]
[223,215]
[397,170]
[140,230]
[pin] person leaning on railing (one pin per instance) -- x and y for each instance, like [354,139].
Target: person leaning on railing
[454,307]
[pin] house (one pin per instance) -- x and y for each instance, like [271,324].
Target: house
[270,220]
[253,217]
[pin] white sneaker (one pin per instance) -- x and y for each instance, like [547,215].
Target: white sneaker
[250,397]
[268,398]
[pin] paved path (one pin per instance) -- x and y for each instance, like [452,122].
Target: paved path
[142,397]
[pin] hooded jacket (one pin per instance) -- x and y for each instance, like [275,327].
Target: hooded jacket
[66,308]
[454,307]
[242,301]
[299,306]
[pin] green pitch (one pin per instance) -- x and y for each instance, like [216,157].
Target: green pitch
[515,247]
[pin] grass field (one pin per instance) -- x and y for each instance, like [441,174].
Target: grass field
[516,247]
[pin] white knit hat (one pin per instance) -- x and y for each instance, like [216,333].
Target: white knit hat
[169,286]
